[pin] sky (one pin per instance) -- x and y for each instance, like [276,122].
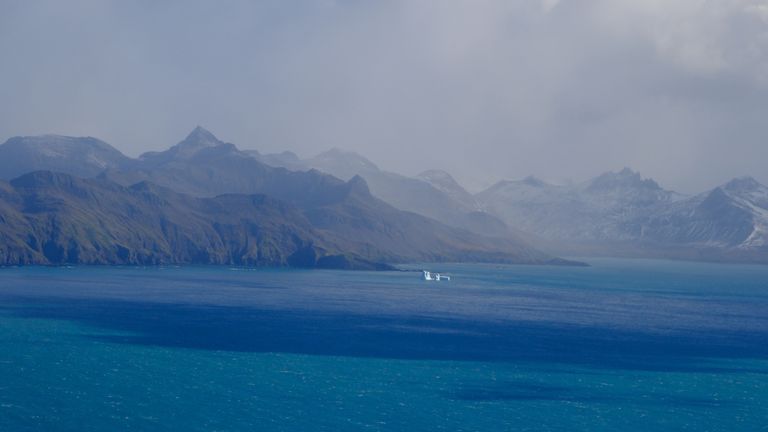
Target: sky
[485,89]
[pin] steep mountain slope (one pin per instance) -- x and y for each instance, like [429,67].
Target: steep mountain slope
[199,139]
[445,183]
[536,207]
[626,190]
[84,157]
[411,194]
[597,210]
[616,213]
[53,218]
[734,215]
[624,214]
[404,236]
[201,165]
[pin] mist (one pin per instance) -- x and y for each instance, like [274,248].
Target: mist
[487,89]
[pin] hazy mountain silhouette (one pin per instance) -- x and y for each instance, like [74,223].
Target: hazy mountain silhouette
[84,157]
[623,214]
[417,195]
[54,218]
[340,218]
[350,207]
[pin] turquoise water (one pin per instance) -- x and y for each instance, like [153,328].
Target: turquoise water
[619,346]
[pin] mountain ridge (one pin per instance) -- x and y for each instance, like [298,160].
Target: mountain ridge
[413,194]
[621,213]
[616,212]
[87,156]
[340,213]
[55,218]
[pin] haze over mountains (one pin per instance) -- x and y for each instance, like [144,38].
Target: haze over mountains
[338,209]
[615,214]
[85,157]
[623,214]
[442,199]
[204,201]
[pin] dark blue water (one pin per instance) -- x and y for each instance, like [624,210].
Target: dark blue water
[619,346]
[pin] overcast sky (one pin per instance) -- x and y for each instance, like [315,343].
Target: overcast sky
[486,89]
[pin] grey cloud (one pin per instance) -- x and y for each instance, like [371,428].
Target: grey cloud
[486,89]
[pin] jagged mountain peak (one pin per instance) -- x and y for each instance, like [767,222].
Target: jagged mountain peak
[201,131]
[624,179]
[197,140]
[625,172]
[201,137]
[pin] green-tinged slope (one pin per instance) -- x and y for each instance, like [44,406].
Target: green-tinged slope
[51,218]
[202,165]
[202,210]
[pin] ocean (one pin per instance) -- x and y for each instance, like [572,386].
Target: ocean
[622,345]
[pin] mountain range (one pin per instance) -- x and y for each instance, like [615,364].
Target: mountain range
[614,214]
[340,204]
[434,193]
[205,201]
[623,214]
